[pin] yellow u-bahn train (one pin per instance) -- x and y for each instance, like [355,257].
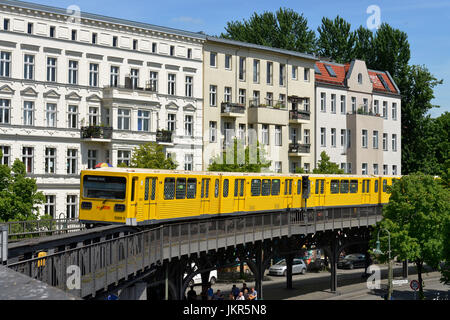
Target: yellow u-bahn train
[143,197]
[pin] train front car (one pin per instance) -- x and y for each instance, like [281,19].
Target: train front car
[103,197]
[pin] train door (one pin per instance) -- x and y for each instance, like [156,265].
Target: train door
[205,196]
[366,191]
[288,193]
[320,192]
[239,192]
[150,198]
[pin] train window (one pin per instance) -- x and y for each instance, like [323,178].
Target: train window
[256,188]
[169,189]
[147,187]
[236,188]
[265,189]
[153,188]
[366,186]
[242,187]
[354,186]
[216,188]
[376,186]
[344,186]
[288,187]
[133,189]
[191,188]
[103,187]
[181,188]
[334,186]
[226,184]
[384,185]
[299,187]
[276,187]
[205,188]
[317,186]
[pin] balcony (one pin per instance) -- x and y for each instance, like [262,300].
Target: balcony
[299,150]
[164,137]
[233,110]
[299,116]
[267,114]
[96,134]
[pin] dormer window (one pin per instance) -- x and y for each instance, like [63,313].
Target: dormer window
[360,80]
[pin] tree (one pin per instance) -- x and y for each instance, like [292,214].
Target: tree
[325,166]
[242,159]
[363,49]
[415,215]
[336,41]
[151,156]
[19,198]
[285,29]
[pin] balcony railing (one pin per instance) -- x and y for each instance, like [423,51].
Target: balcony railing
[228,107]
[299,148]
[150,86]
[164,136]
[96,132]
[299,115]
[256,103]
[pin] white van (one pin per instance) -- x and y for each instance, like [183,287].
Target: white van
[198,278]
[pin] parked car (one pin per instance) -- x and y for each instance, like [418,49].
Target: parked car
[317,265]
[355,260]
[280,268]
[198,278]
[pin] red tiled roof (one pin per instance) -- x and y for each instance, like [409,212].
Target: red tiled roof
[378,85]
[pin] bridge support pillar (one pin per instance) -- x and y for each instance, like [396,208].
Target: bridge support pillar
[138,291]
[259,270]
[205,284]
[405,269]
[333,264]
[289,259]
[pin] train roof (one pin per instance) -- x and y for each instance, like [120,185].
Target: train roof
[239,174]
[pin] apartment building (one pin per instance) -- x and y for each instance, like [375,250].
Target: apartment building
[76,91]
[256,92]
[358,118]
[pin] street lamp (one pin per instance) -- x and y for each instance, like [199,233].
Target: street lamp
[378,251]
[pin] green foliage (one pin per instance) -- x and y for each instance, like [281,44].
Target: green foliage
[300,171]
[446,253]
[325,166]
[415,217]
[284,29]
[19,198]
[151,156]
[242,161]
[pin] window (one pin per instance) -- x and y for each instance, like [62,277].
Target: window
[349,168]
[294,72]
[93,75]
[172,50]
[189,86]
[375,139]
[5,114]
[241,133]
[27,158]
[73,72]
[288,186]
[153,81]
[114,79]
[72,160]
[242,96]
[343,137]
[269,76]
[265,134]
[6,155]
[189,126]
[394,142]
[169,189]
[306,104]
[135,44]
[385,185]
[276,184]
[323,137]
[394,111]
[364,169]
[28,72]
[333,137]
[228,62]
[282,74]
[265,187]
[330,70]
[171,122]
[385,115]
[134,75]
[188,162]
[28,113]
[343,105]
[385,170]
[360,78]
[50,115]
[306,136]
[333,103]
[171,84]
[72,114]
[306,74]
[375,169]
[123,156]
[353,104]
[344,186]
[394,170]
[334,186]
[6,24]
[256,188]
[50,206]
[74,35]
[278,136]
[256,65]
[94,38]
[205,189]
[385,143]
[213,96]
[212,131]
[30,28]
[366,105]
[278,166]
[376,107]
[191,188]
[115,40]
[189,53]
[52,31]
[242,68]
[226,184]
[269,99]
[323,102]
[123,119]
[71,205]
[5,64]
[92,159]
[213,59]
[51,69]
[364,138]
[50,160]
[354,186]
[216,188]
[143,120]
[376,186]
[154,47]
[227,94]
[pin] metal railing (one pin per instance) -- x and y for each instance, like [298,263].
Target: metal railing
[29,229]
[228,107]
[96,132]
[108,262]
[299,148]
[299,115]
[164,136]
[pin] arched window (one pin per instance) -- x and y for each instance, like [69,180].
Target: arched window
[360,80]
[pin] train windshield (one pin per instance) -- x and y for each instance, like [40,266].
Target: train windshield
[99,187]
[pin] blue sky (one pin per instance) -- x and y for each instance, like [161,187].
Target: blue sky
[425,22]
